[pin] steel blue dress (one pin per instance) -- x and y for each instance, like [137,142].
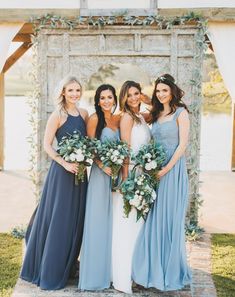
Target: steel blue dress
[54,239]
[160,255]
[95,259]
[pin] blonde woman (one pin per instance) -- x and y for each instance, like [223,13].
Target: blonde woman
[135,132]
[54,240]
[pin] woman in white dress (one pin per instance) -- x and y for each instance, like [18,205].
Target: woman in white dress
[135,132]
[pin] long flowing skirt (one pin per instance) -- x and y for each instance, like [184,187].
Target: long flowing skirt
[54,240]
[95,259]
[160,256]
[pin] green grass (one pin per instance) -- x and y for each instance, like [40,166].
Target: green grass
[10,263]
[223,264]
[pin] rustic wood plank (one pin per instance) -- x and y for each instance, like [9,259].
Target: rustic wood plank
[2,93]
[16,55]
[22,38]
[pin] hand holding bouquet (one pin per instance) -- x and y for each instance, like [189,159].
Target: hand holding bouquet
[112,153]
[139,193]
[75,148]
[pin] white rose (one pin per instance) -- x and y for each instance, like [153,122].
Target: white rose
[148,166]
[139,182]
[120,161]
[116,153]
[135,201]
[148,155]
[80,157]
[72,157]
[154,164]
[113,158]
[154,195]
[102,158]
[67,158]
[78,151]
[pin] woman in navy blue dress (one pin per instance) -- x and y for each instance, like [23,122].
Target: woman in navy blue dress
[54,239]
[95,259]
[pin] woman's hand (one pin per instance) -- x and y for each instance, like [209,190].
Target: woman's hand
[71,167]
[124,177]
[106,170]
[162,172]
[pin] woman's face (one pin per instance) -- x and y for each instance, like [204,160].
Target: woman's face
[107,100]
[133,98]
[72,93]
[163,93]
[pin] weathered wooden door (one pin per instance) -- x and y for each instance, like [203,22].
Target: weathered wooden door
[83,51]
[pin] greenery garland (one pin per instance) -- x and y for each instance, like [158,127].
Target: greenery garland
[50,21]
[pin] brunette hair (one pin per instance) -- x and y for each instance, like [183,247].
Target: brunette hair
[176,93]
[101,120]
[123,96]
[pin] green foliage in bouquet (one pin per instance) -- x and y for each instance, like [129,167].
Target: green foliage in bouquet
[138,192]
[75,148]
[150,158]
[112,153]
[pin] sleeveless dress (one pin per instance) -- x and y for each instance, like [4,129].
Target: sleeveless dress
[54,239]
[126,230]
[160,255]
[95,258]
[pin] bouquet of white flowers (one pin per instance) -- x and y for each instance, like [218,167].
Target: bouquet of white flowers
[79,149]
[150,158]
[112,153]
[139,193]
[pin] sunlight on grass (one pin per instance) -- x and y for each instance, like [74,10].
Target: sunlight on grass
[223,264]
[10,262]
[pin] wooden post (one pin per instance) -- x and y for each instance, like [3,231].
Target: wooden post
[233,138]
[2,94]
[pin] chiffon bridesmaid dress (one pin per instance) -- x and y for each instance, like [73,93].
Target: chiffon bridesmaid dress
[95,259]
[159,258]
[55,233]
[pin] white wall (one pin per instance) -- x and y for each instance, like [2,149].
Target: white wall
[122,4]
[57,4]
[195,3]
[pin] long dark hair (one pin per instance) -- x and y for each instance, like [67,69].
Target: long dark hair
[123,96]
[101,120]
[175,102]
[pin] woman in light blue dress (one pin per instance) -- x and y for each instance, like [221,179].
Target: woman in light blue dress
[95,258]
[160,256]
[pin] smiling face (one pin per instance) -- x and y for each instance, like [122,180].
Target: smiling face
[106,100]
[163,93]
[133,98]
[72,93]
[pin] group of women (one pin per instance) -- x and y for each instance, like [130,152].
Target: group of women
[87,221]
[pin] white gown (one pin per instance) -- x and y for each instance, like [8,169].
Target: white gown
[126,230]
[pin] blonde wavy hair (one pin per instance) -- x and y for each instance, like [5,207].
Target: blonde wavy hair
[59,98]
[123,96]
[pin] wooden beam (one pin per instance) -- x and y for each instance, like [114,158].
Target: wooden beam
[27,28]
[22,38]
[16,55]
[233,139]
[2,94]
